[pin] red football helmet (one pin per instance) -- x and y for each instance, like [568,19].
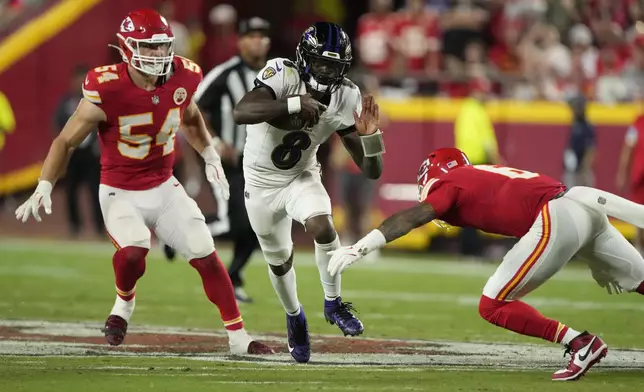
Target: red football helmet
[438,163]
[146,42]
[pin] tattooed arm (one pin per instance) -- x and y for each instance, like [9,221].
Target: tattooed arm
[396,226]
[405,221]
[392,228]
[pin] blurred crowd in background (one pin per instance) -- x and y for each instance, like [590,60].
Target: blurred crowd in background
[522,49]
[515,49]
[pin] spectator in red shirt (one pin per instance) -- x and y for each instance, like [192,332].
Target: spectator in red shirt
[417,40]
[221,43]
[503,54]
[599,13]
[374,35]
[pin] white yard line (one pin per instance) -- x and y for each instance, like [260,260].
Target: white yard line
[440,354]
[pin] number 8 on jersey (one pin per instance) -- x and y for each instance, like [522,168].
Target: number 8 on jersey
[286,155]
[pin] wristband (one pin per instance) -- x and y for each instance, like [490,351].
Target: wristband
[372,145]
[294,105]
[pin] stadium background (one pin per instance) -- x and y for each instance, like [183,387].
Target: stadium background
[42,42]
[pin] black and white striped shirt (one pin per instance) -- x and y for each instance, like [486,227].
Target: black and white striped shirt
[221,89]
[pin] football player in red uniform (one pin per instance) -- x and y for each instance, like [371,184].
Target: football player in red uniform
[137,107]
[553,224]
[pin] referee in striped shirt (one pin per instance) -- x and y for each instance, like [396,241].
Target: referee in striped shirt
[221,89]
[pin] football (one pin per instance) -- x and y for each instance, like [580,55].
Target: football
[288,122]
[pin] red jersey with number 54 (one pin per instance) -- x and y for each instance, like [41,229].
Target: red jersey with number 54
[492,198]
[138,139]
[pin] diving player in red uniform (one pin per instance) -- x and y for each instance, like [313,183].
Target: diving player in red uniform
[553,224]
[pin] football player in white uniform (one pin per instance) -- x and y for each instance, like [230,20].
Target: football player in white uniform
[306,102]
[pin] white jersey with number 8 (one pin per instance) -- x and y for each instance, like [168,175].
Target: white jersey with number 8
[273,158]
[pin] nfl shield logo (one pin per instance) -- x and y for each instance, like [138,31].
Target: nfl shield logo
[155,100]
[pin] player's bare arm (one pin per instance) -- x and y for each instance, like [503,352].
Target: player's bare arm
[259,105]
[197,135]
[82,122]
[405,221]
[195,129]
[371,166]
[365,144]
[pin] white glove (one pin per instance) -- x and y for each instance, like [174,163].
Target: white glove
[215,172]
[40,198]
[342,258]
[605,280]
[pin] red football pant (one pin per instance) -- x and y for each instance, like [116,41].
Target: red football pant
[219,289]
[640,288]
[521,318]
[129,266]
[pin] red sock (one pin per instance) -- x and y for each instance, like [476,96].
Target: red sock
[640,288]
[521,318]
[129,266]
[219,289]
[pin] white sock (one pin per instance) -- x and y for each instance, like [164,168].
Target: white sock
[238,336]
[238,341]
[286,288]
[123,309]
[569,336]
[330,284]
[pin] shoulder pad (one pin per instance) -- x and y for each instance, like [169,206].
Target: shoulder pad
[289,63]
[187,64]
[99,80]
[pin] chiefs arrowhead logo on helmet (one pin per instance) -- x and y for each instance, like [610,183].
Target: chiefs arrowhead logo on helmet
[127,25]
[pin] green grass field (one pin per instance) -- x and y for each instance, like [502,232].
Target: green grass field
[422,329]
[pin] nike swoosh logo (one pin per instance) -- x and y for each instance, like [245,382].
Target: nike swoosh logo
[176,184]
[583,357]
[277,66]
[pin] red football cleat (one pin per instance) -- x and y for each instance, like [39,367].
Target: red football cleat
[585,351]
[115,330]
